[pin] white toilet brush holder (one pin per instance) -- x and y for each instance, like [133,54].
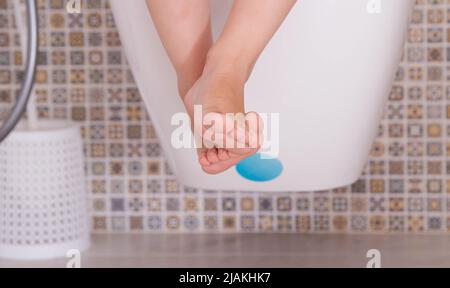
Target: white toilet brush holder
[43,194]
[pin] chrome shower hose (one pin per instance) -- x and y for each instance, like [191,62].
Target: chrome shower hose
[28,78]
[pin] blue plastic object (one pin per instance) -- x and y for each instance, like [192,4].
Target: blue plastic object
[254,168]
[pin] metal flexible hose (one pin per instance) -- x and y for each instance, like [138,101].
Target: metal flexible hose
[30,68]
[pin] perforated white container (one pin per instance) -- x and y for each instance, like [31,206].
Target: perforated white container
[43,195]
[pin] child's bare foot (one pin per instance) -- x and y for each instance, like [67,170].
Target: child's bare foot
[220,93]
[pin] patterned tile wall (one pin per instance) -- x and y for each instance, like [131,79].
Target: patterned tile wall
[83,76]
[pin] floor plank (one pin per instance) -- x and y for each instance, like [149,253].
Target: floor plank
[256,250]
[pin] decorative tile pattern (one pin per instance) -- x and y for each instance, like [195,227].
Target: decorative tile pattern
[83,76]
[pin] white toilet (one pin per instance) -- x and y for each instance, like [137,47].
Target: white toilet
[327,73]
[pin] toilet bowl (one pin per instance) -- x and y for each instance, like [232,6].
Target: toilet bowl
[326,73]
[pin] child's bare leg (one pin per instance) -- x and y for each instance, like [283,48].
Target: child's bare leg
[250,26]
[185,31]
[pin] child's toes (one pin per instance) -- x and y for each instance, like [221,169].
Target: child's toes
[203,160]
[212,156]
[223,155]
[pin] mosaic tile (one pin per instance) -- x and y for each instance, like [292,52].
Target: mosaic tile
[154,223]
[83,76]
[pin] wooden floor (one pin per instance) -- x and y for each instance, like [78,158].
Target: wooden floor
[256,250]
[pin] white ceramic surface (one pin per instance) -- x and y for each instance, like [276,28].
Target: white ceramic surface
[327,71]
